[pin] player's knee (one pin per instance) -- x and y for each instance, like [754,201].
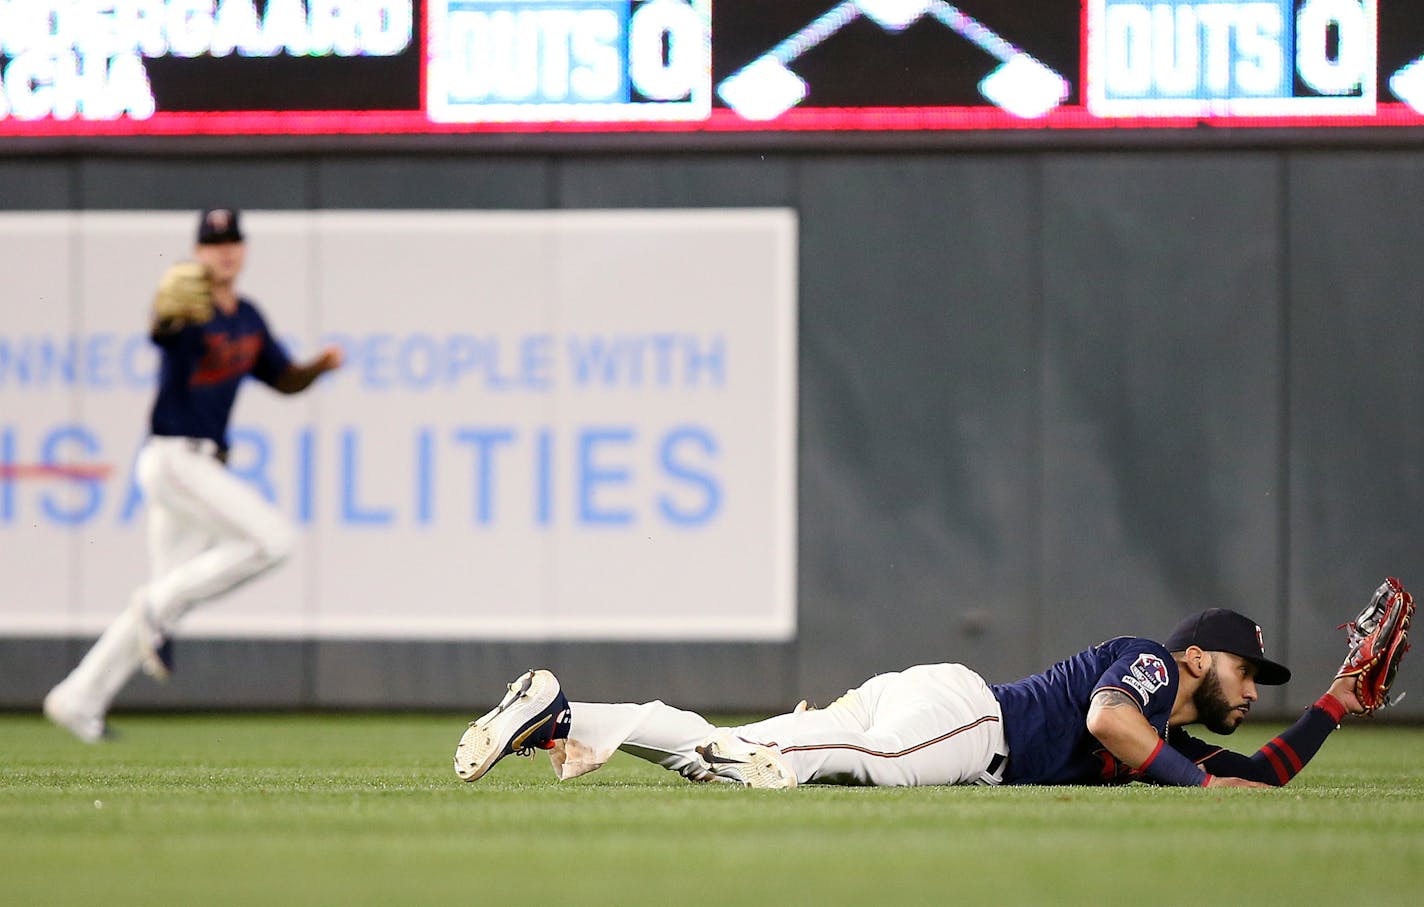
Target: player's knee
[276,545]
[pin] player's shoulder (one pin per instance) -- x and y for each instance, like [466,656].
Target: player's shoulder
[1147,657]
[250,312]
[1139,666]
[1123,645]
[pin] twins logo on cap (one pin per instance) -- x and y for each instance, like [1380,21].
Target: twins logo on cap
[220,219]
[218,225]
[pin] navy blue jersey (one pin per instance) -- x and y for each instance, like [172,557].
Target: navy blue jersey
[1045,716]
[202,368]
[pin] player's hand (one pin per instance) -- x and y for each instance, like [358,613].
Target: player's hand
[1219,781]
[331,358]
[1343,689]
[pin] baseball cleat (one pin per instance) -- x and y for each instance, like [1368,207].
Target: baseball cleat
[532,715]
[87,727]
[753,764]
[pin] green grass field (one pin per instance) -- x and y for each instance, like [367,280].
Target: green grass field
[356,809]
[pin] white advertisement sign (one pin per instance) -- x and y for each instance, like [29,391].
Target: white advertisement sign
[550,425]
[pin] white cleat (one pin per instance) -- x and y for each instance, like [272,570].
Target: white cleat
[753,764]
[87,726]
[533,714]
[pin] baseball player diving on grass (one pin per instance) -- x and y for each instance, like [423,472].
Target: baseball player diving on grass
[208,531]
[1114,713]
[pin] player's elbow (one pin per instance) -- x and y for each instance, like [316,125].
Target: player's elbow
[1112,728]
[1103,723]
[289,382]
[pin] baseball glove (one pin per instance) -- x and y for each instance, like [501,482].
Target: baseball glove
[1378,639]
[185,294]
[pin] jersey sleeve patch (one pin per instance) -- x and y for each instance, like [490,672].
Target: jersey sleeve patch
[1147,675]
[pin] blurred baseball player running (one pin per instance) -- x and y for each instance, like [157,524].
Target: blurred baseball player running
[208,532]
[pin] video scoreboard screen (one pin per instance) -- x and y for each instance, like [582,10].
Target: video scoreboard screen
[352,67]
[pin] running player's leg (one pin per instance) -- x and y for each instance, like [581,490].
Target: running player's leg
[133,639]
[930,724]
[249,535]
[172,538]
[81,701]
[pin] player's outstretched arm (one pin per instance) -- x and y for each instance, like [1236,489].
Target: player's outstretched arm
[1283,757]
[298,378]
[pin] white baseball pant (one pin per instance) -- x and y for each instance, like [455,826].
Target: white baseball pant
[208,532]
[926,725]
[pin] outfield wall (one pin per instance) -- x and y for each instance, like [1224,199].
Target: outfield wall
[1041,398]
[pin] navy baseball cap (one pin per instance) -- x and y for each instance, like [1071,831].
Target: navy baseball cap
[1223,630]
[218,225]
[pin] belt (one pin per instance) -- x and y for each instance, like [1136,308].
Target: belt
[994,774]
[205,446]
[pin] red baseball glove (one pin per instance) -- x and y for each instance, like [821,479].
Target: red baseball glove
[1378,639]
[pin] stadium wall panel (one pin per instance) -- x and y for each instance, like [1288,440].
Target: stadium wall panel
[1045,397]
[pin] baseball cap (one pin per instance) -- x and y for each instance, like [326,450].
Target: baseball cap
[1223,630]
[218,225]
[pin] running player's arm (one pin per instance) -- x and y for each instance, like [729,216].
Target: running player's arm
[297,377]
[1116,720]
[1282,758]
[275,368]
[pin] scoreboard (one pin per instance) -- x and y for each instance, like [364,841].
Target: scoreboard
[1264,57]
[379,67]
[511,60]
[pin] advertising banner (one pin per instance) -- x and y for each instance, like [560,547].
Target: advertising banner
[550,425]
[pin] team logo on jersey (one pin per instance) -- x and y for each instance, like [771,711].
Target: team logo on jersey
[1147,675]
[225,358]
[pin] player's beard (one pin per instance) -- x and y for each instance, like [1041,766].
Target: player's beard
[1212,708]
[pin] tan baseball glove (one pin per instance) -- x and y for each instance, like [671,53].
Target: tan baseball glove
[185,295]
